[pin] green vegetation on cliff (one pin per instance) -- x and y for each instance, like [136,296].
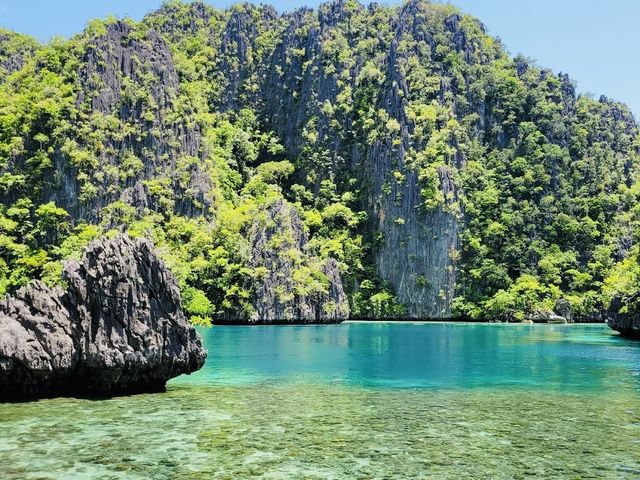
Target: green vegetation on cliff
[442,176]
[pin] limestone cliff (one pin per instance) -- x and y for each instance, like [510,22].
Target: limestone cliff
[622,316]
[15,50]
[289,285]
[127,130]
[464,182]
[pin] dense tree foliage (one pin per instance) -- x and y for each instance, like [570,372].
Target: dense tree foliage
[190,125]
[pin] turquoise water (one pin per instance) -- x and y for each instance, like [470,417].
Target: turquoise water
[419,355]
[356,401]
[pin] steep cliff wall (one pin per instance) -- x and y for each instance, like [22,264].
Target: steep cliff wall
[306,94]
[121,123]
[399,149]
[130,77]
[290,284]
[622,316]
[15,50]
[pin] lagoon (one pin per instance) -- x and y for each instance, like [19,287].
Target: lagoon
[357,400]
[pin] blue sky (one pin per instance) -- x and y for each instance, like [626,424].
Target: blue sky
[595,42]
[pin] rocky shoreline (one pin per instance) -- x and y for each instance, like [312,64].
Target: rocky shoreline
[623,316]
[118,328]
[399,320]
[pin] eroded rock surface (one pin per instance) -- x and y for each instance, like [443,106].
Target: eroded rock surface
[623,316]
[291,290]
[118,328]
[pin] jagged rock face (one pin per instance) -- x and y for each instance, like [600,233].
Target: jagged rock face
[118,328]
[419,247]
[279,246]
[418,253]
[114,57]
[175,22]
[626,322]
[38,341]
[563,309]
[308,87]
[238,37]
[116,67]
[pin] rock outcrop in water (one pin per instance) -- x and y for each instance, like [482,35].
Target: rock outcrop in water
[623,315]
[279,248]
[118,328]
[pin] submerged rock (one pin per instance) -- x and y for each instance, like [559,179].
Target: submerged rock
[118,328]
[553,318]
[623,315]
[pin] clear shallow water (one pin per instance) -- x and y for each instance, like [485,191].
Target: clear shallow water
[357,401]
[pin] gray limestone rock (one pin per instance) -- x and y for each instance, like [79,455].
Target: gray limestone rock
[278,243]
[114,62]
[563,309]
[547,317]
[118,328]
[622,316]
[15,50]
